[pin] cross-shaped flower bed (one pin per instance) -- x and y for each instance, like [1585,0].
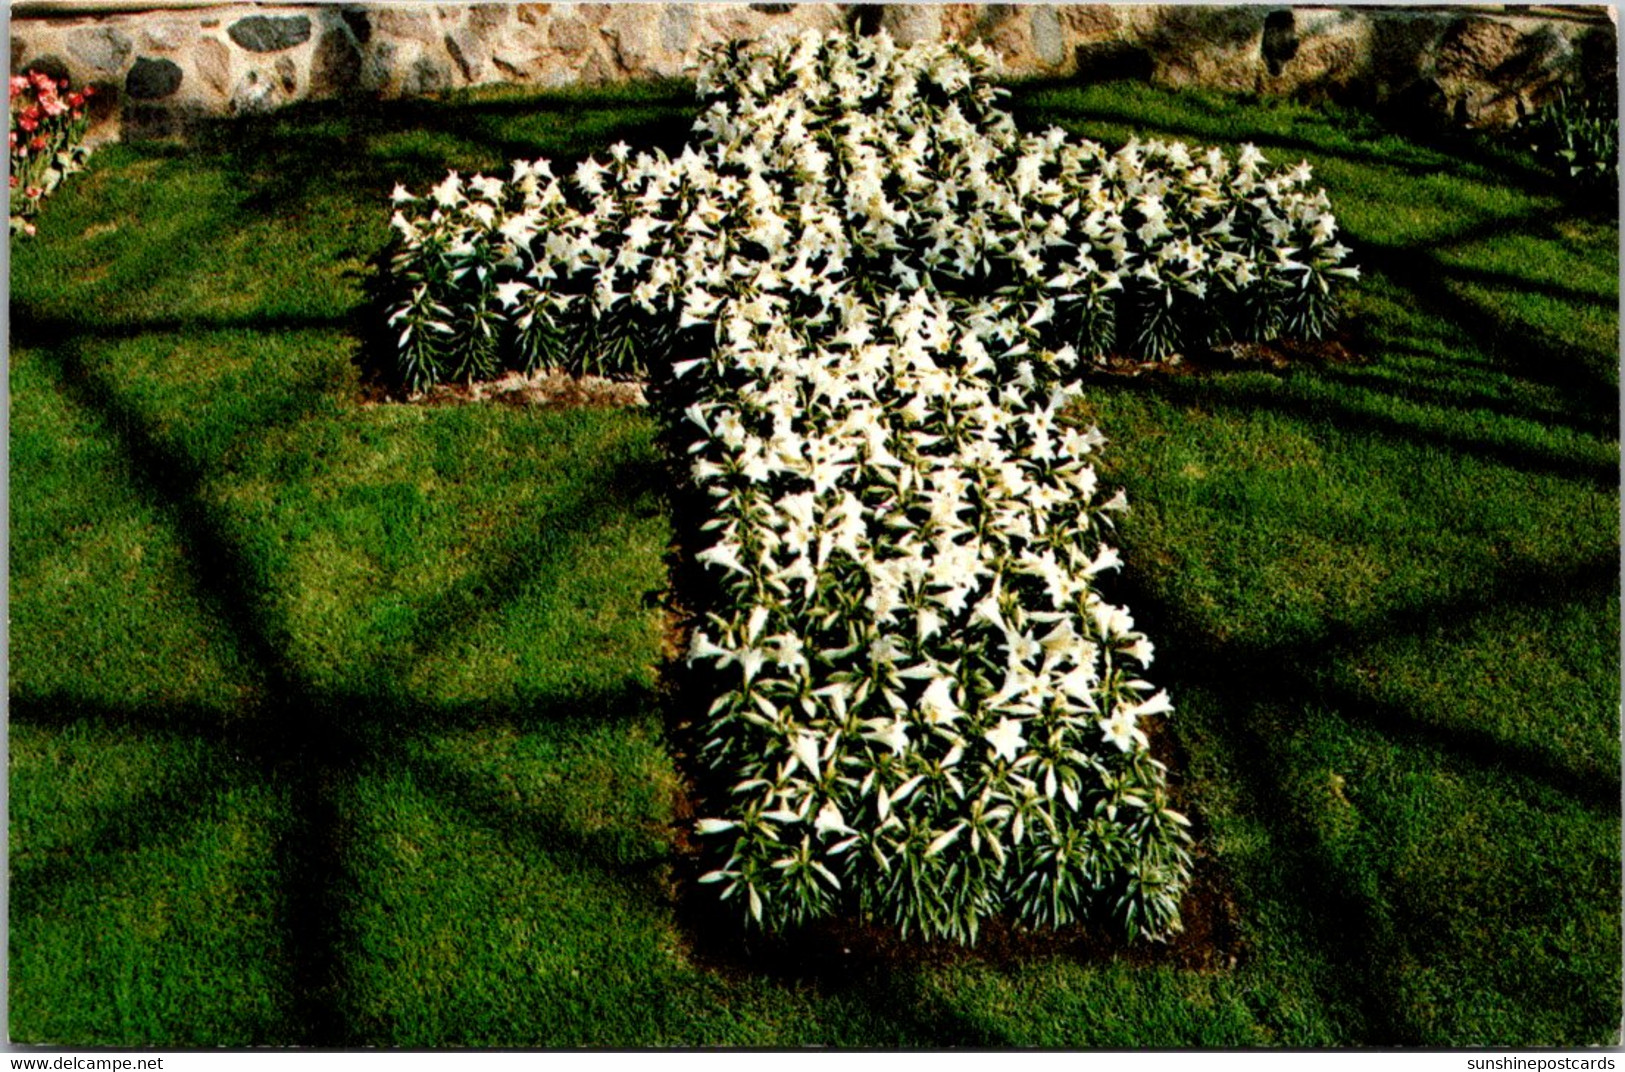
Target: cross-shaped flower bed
[867,295]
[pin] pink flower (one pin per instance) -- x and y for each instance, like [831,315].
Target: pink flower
[34,192]
[37,144]
[18,84]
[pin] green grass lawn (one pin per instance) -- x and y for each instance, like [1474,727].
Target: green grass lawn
[340,723]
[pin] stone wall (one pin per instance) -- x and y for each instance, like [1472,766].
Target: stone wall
[159,68]
[1481,66]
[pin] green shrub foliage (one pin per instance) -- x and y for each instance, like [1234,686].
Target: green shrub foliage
[867,295]
[1578,137]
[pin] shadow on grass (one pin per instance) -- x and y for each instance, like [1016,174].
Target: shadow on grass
[306,743]
[310,748]
[28,329]
[283,160]
[1584,380]
[1349,418]
[1589,382]
[162,814]
[1420,158]
[1362,936]
[1462,273]
[1463,401]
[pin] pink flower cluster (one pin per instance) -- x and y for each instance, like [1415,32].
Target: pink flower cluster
[48,102]
[47,127]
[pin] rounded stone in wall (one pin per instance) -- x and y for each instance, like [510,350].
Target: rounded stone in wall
[1089,22]
[415,24]
[1474,47]
[426,76]
[571,36]
[211,62]
[1048,39]
[153,79]
[1327,62]
[484,18]
[677,27]
[1597,50]
[336,66]
[378,68]
[1279,45]
[100,47]
[1003,32]
[467,52]
[257,91]
[270,33]
[910,24]
[597,71]
[164,36]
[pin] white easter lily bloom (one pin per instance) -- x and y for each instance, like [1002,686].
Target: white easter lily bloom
[486,187]
[1108,558]
[1079,684]
[701,646]
[1157,704]
[1006,739]
[893,734]
[724,554]
[937,702]
[1120,730]
[509,294]
[449,192]
[830,820]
